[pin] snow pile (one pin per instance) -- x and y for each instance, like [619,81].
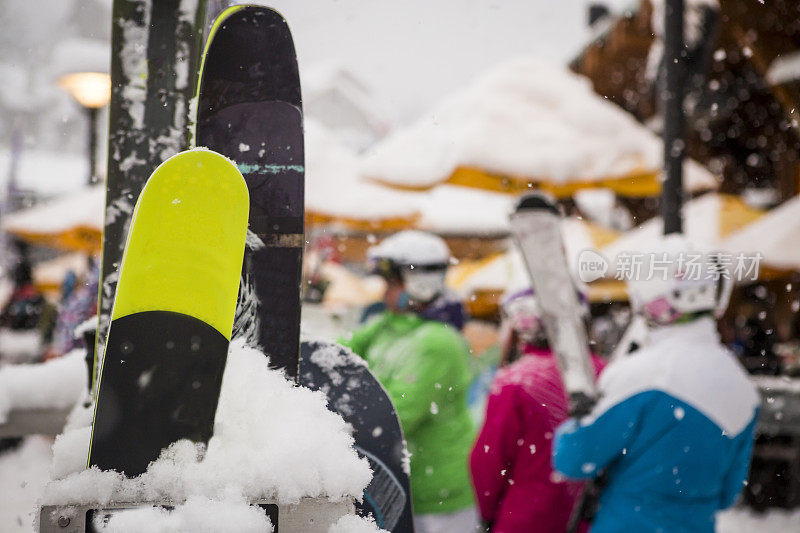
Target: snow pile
[526,119]
[196,515]
[355,524]
[55,384]
[23,475]
[271,440]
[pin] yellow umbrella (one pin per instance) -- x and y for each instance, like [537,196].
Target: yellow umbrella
[360,225]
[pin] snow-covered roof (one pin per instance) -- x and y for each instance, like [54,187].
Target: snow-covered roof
[526,120]
[335,192]
[774,236]
[44,172]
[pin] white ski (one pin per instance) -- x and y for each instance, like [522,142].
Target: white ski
[536,226]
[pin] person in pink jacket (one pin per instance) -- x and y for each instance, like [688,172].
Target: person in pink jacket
[515,485]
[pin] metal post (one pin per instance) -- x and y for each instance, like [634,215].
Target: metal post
[91,114]
[672,101]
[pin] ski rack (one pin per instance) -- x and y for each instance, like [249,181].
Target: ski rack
[309,515]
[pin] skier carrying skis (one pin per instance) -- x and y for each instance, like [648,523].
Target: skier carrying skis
[515,485]
[674,427]
[422,361]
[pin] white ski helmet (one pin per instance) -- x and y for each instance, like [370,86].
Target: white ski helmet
[521,311]
[418,258]
[678,280]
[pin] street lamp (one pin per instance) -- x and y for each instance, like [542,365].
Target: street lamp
[92,90]
[82,70]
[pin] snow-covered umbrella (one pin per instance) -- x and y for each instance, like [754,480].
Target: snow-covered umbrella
[527,124]
[72,222]
[708,220]
[774,236]
[336,196]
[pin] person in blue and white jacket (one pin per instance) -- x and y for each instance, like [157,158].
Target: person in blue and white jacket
[674,427]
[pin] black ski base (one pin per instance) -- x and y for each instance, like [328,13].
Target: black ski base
[160,383]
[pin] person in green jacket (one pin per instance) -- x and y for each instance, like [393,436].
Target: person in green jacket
[416,351]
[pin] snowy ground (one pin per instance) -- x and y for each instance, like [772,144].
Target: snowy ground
[23,475]
[746,521]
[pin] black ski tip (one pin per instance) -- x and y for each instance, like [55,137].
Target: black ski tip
[537,200]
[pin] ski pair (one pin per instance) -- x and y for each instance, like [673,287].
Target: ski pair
[249,110]
[236,92]
[153,391]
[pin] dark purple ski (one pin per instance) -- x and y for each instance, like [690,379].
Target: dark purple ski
[249,109]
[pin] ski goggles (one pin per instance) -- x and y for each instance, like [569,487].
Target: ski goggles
[385,268]
[388,269]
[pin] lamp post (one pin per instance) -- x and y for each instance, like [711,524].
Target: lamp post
[672,99]
[92,90]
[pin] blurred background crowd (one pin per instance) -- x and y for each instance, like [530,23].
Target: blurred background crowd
[580,121]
